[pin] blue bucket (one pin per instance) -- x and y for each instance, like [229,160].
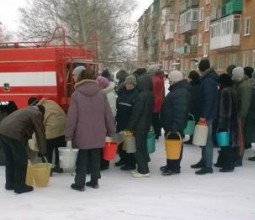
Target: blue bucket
[189,130]
[151,142]
[223,138]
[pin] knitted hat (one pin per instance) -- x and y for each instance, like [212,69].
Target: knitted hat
[77,70]
[102,82]
[175,76]
[248,71]
[130,79]
[237,74]
[204,64]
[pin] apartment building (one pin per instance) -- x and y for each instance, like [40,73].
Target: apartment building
[188,30]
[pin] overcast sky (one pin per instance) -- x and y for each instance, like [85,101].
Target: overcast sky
[9,15]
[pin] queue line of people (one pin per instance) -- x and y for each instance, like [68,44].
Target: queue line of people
[99,108]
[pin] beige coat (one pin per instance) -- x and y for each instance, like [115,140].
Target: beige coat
[54,119]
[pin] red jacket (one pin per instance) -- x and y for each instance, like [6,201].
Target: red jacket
[158,91]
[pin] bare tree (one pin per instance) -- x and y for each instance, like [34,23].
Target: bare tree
[99,24]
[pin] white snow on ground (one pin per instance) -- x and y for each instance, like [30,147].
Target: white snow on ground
[217,196]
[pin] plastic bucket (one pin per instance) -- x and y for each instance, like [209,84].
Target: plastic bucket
[129,143]
[200,135]
[41,174]
[110,150]
[173,145]
[223,138]
[189,130]
[29,176]
[151,142]
[67,158]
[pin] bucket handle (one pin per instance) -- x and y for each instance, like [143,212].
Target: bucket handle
[191,116]
[178,133]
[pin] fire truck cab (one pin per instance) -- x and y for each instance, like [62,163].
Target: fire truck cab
[41,70]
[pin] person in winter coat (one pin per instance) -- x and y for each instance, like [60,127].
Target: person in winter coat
[106,74]
[140,122]
[174,114]
[208,112]
[158,86]
[109,90]
[121,75]
[244,96]
[89,121]
[194,81]
[15,130]
[227,121]
[54,123]
[125,103]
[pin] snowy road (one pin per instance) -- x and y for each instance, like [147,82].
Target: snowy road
[217,196]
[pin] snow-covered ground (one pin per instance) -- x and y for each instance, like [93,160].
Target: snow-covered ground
[217,196]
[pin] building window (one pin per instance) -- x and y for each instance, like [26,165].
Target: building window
[205,50]
[221,62]
[207,23]
[199,39]
[247,26]
[201,14]
[246,58]
[233,59]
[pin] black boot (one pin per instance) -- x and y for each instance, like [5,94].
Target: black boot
[77,187]
[23,189]
[200,164]
[204,170]
[92,184]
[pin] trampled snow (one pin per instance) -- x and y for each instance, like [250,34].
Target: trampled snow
[217,196]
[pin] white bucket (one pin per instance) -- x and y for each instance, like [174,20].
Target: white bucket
[67,158]
[200,135]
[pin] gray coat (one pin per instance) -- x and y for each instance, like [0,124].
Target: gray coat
[89,117]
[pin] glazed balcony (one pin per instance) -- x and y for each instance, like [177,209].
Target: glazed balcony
[189,21]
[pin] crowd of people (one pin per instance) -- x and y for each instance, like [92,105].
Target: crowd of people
[101,107]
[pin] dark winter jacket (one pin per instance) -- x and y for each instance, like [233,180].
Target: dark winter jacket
[209,95]
[21,124]
[249,128]
[176,106]
[125,104]
[195,98]
[244,93]
[89,118]
[141,115]
[228,113]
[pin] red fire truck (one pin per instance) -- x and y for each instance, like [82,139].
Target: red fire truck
[40,69]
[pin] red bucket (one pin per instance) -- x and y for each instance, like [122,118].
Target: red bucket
[110,150]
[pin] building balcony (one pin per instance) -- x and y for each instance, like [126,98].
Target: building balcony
[187,49]
[189,27]
[169,35]
[225,32]
[234,6]
[189,21]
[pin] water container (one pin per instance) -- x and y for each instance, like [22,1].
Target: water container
[67,158]
[129,143]
[200,135]
[151,142]
[223,138]
[189,130]
[173,145]
[110,150]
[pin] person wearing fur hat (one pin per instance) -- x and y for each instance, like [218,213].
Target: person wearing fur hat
[244,93]
[125,103]
[121,75]
[174,115]
[208,105]
[89,121]
[76,72]
[227,121]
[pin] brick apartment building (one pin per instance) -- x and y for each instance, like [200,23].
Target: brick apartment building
[178,33]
